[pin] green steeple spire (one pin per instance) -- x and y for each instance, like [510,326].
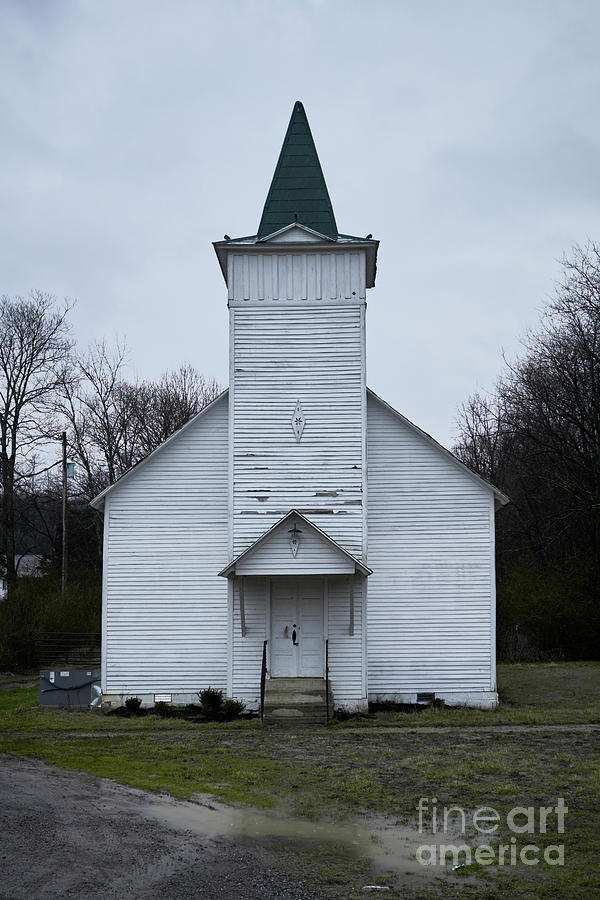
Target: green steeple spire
[298,192]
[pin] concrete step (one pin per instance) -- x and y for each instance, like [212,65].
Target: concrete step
[295,716]
[294,697]
[306,709]
[296,701]
[295,723]
[294,684]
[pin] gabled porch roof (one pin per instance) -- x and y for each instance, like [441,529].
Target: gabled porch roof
[317,553]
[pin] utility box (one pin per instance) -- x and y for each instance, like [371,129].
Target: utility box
[69,687]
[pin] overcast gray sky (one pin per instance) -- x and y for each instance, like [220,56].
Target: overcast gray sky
[464,135]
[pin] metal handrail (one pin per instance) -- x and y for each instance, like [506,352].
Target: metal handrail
[327,680]
[263,678]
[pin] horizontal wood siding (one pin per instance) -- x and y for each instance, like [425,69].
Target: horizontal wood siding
[345,650]
[282,355]
[166,607]
[287,276]
[274,556]
[247,651]
[430,603]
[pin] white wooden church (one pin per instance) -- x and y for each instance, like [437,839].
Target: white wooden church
[298,518]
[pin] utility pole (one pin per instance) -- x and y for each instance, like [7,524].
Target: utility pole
[64,512]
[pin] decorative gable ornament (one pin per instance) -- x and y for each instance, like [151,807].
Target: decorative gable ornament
[294,534]
[298,420]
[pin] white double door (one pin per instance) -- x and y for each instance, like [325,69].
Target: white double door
[297,636]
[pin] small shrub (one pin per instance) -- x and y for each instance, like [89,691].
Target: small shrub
[132,705]
[162,709]
[232,709]
[211,701]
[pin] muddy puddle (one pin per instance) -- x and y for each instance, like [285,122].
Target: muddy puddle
[389,847]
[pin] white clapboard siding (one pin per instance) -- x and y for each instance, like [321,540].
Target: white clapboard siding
[345,649]
[318,276]
[166,607]
[430,602]
[248,650]
[274,557]
[281,356]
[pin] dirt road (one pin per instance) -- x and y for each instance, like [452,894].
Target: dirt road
[71,835]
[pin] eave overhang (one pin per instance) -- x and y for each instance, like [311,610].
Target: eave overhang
[252,244]
[230,569]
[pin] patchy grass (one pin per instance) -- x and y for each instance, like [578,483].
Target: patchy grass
[181,764]
[342,772]
[17,699]
[570,685]
[19,712]
[530,694]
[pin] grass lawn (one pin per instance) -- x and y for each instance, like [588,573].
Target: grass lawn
[348,770]
[530,694]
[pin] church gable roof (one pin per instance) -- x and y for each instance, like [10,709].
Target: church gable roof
[316,553]
[500,498]
[98,501]
[298,192]
[293,233]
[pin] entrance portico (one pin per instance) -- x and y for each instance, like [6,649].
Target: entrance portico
[297,589]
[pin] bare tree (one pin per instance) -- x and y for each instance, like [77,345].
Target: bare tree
[480,424]
[113,423]
[538,438]
[552,398]
[101,409]
[34,364]
[167,405]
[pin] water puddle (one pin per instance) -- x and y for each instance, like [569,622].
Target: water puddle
[389,847]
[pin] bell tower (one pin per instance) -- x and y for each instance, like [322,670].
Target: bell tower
[297,395]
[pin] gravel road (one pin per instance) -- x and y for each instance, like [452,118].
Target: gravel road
[73,835]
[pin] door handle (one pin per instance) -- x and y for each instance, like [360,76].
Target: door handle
[294,641]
